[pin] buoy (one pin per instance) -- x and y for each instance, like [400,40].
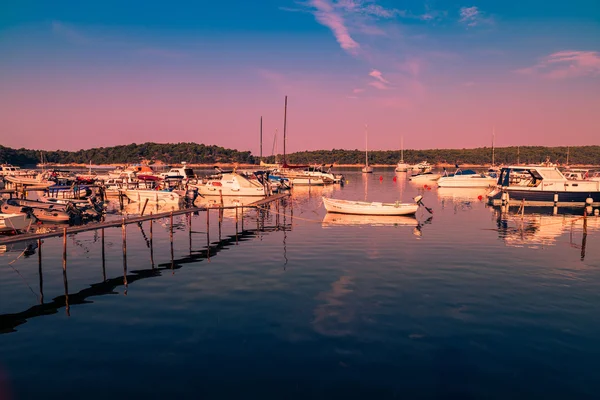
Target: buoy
[428,187]
[588,210]
[424,186]
[347,181]
[380,177]
[589,201]
[394,179]
[479,197]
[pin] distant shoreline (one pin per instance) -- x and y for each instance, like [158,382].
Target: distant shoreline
[244,166]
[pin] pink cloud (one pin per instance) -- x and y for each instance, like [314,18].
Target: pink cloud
[326,15]
[358,90]
[565,64]
[378,75]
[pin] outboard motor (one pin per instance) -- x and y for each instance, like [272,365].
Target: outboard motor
[190,196]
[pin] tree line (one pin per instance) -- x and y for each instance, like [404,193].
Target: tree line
[194,153]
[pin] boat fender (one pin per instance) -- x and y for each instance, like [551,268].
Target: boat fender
[589,201]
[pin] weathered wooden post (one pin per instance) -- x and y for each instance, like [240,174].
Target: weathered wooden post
[171,239]
[103,258]
[236,225]
[207,234]
[124,234]
[40,271]
[242,219]
[65,282]
[151,241]
[144,208]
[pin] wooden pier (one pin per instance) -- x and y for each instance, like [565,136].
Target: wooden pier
[135,220]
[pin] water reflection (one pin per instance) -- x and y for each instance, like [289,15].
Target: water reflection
[332,317]
[334,219]
[9,322]
[537,230]
[462,194]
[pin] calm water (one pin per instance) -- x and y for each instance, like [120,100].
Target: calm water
[463,303]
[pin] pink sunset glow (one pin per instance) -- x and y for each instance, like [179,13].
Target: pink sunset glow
[69,86]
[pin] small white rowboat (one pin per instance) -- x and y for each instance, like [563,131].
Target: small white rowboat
[369,208]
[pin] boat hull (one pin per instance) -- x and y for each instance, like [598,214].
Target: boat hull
[366,208]
[542,198]
[466,182]
[14,222]
[151,195]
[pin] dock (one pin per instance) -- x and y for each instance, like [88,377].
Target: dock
[136,220]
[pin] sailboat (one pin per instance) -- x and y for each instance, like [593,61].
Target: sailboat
[367,169]
[402,166]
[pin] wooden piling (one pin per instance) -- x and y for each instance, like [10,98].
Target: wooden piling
[171,240]
[236,225]
[65,281]
[41,276]
[151,242]
[124,234]
[144,207]
[103,257]
[207,235]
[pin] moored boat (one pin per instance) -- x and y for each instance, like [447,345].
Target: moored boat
[424,177]
[14,222]
[141,195]
[369,208]
[466,178]
[543,186]
[232,184]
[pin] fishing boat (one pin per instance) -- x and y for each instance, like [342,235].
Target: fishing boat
[142,195]
[15,222]
[367,169]
[402,166]
[542,186]
[231,184]
[466,178]
[369,208]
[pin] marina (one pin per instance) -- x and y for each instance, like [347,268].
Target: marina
[211,286]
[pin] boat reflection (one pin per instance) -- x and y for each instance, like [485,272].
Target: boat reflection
[312,191]
[334,219]
[226,201]
[462,194]
[27,248]
[535,230]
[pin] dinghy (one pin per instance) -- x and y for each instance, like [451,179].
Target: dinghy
[369,208]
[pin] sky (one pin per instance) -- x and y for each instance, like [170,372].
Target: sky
[376,73]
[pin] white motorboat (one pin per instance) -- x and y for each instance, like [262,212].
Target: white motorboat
[423,166]
[36,182]
[17,222]
[424,177]
[231,184]
[368,208]
[466,178]
[543,186]
[307,181]
[141,195]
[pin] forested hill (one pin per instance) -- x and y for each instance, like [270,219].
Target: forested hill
[194,153]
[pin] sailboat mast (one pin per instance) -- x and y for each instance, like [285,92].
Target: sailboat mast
[402,149]
[261,138]
[493,154]
[284,128]
[567,155]
[366,146]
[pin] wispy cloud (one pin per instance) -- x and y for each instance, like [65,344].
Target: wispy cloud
[69,33]
[566,64]
[473,16]
[358,90]
[327,16]
[379,85]
[378,75]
